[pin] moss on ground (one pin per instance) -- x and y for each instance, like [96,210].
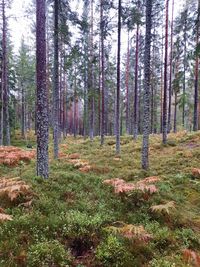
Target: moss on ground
[65,225]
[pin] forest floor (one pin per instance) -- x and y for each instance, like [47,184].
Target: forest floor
[75,219]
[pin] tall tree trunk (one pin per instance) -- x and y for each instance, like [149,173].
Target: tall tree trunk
[161,85]
[102,74]
[23,120]
[42,99]
[184,70]
[86,69]
[1,106]
[147,59]
[140,103]
[135,115]
[165,77]
[196,81]
[175,112]
[99,87]
[56,84]
[118,80]
[91,78]
[5,79]
[64,105]
[127,87]
[75,108]
[170,72]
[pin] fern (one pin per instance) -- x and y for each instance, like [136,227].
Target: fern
[163,208]
[3,216]
[145,186]
[191,257]
[12,156]
[196,172]
[13,187]
[131,231]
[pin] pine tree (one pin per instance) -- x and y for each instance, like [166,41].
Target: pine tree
[118,80]
[56,82]
[42,117]
[147,59]
[6,122]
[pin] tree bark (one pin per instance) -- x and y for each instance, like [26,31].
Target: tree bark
[102,74]
[175,112]
[56,84]
[196,82]
[184,69]
[42,95]
[118,81]
[147,59]
[23,113]
[91,77]
[170,72]
[6,120]
[165,77]
[127,87]
[135,115]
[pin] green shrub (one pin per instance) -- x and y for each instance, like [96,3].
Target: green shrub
[111,252]
[188,237]
[161,263]
[48,253]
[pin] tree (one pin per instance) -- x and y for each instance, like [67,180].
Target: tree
[56,83]
[147,59]
[135,115]
[25,74]
[196,81]
[42,118]
[118,80]
[165,77]
[170,72]
[5,93]
[102,23]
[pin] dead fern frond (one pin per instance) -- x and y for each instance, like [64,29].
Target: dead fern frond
[121,186]
[5,217]
[13,187]
[11,156]
[163,208]
[196,173]
[191,257]
[131,231]
[149,180]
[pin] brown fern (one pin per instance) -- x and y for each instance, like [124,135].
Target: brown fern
[191,257]
[130,231]
[145,186]
[13,187]
[163,208]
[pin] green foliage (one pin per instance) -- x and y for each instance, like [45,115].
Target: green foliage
[75,208]
[48,253]
[111,252]
[188,237]
[79,224]
[162,263]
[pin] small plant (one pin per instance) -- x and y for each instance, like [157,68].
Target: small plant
[161,263]
[13,187]
[163,208]
[188,237]
[111,253]
[145,186]
[4,217]
[131,231]
[49,253]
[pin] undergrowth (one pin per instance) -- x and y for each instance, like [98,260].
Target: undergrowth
[74,219]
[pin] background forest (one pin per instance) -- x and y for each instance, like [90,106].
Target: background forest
[102,98]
